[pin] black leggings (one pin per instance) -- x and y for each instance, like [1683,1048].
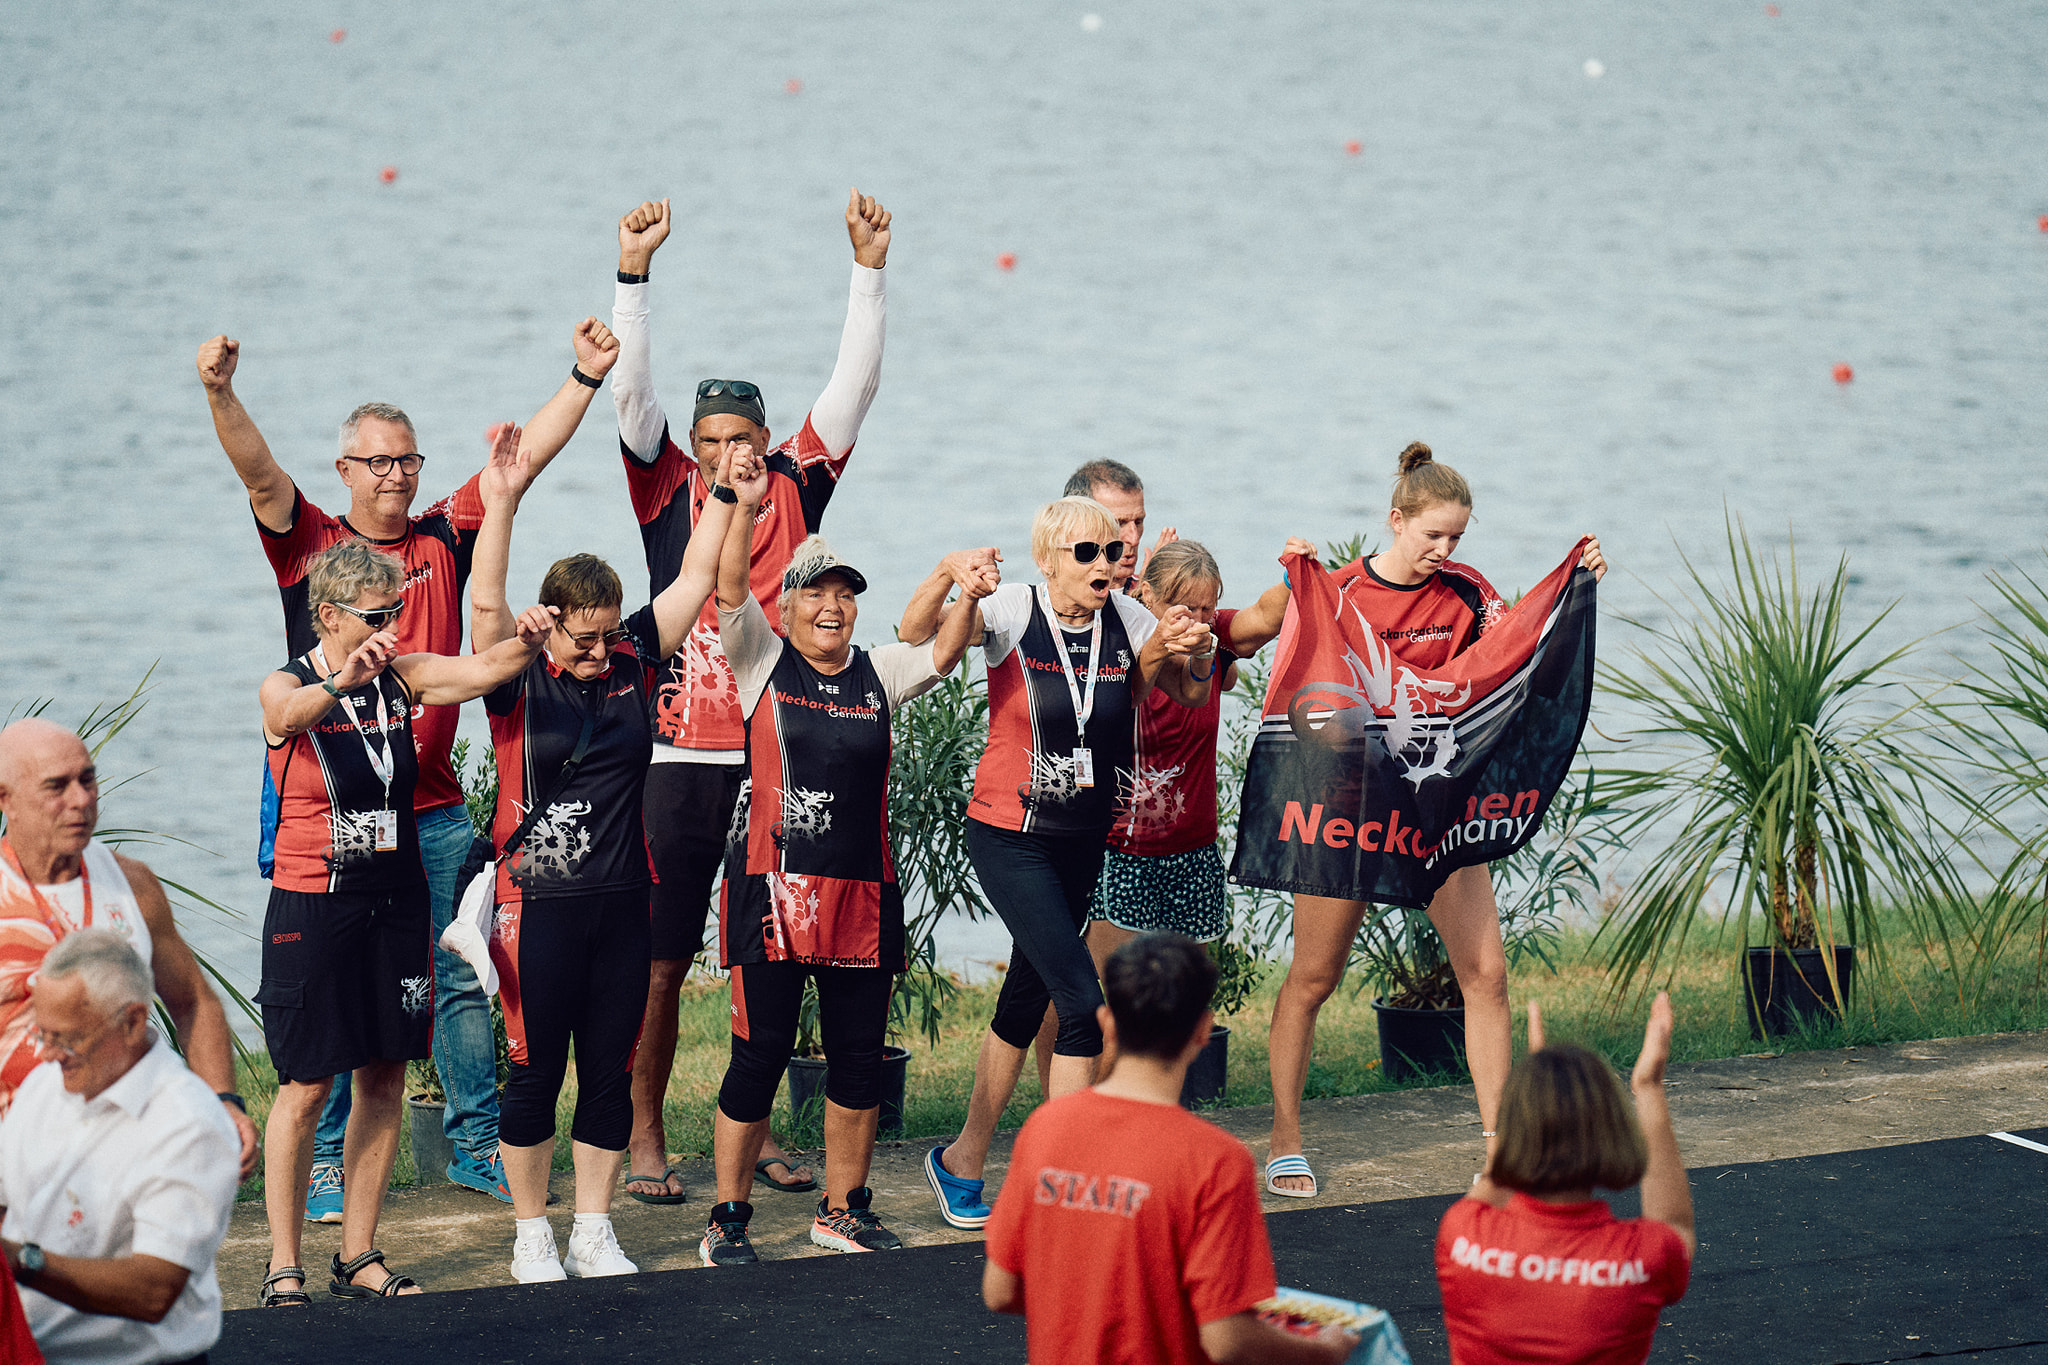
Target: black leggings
[1041,885]
[579,969]
[853,1015]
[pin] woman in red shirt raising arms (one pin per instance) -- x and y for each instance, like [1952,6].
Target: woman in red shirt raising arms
[1429,609]
[1532,1266]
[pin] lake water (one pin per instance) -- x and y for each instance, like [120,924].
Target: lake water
[1614,302]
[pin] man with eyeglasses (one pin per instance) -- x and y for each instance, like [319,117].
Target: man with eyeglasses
[700,736]
[379,464]
[56,879]
[117,1172]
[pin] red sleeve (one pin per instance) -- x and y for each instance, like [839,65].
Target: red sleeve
[17,1346]
[1491,604]
[1229,1262]
[1674,1268]
[312,531]
[653,486]
[464,508]
[1220,627]
[1004,1236]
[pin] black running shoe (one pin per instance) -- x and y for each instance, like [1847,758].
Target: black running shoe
[854,1228]
[725,1241]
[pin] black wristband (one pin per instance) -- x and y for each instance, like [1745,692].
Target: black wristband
[624,278]
[576,373]
[332,690]
[724,494]
[230,1097]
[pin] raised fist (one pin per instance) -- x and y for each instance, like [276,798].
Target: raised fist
[217,363]
[640,232]
[597,350]
[867,227]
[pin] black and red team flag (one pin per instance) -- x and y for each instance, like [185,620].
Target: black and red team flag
[1372,780]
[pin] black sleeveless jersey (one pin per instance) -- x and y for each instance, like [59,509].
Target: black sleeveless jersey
[808,872]
[329,794]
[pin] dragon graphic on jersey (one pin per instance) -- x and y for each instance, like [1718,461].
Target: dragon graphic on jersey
[793,902]
[736,829]
[1150,793]
[1053,780]
[352,837]
[415,994]
[804,815]
[557,845]
[698,675]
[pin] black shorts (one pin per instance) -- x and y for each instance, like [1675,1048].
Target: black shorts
[686,811]
[348,979]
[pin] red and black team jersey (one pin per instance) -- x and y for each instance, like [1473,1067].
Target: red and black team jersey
[589,839]
[329,794]
[809,876]
[1027,779]
[1426,624]
[435,551]
[1171,807]
[699,706]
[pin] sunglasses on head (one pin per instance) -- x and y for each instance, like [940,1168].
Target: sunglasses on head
[380,465]
[1086,550]
[733,388]
[376,618]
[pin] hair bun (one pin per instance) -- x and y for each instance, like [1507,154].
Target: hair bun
[1414,457]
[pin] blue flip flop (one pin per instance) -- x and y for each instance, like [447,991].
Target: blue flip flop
[1291,1165]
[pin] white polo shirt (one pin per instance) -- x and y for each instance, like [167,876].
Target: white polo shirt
[149,1166]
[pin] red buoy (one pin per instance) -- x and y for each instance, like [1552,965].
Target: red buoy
[2044,222]
[337,35]
[388,174]
[793,86]
[1353,147]
[1843,374]
[1007,261]
[1771,10]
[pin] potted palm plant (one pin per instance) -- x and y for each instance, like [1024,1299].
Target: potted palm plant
[1773,762]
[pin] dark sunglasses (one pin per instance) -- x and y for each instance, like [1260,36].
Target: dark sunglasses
[589,639]
[1086,550]
[376,618]
[380,465]
[735,388]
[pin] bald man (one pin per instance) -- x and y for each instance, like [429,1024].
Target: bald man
[56,878]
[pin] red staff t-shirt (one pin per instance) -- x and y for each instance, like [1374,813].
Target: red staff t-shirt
[1131,1225]
[1564,1283]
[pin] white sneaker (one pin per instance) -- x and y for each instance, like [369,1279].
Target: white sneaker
[533,1257]
[595,1251]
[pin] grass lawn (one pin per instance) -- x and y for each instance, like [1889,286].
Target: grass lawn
[1910,997]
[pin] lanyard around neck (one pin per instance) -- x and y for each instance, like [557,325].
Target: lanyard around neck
[383,765]
[1084,704]
[49,912]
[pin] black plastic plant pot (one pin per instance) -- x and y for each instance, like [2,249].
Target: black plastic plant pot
[1207,1074]
[1785,989]
[1418,1043]
[431,1149]
[807,1090]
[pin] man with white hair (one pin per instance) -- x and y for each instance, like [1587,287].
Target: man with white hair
[117,1171]
[56,879]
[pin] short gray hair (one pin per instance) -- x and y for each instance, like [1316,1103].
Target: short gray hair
[1083,482]
[347,569]
[382,411]
[114,973]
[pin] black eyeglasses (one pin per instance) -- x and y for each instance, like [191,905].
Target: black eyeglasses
[380,465]
[589,639]
[722,388]
[1086,550]
[376,618]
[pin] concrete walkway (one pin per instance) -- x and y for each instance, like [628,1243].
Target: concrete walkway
[1364,1148]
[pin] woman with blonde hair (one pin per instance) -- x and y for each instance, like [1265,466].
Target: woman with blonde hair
[1429,609]
[1069,663]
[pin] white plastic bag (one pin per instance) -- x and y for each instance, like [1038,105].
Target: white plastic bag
[468,935]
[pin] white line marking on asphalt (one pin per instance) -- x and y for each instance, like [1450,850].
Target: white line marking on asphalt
[2027,1143]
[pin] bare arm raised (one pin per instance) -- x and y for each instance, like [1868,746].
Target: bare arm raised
[1667,1193]
[507,474]
[548,430]
[271,490]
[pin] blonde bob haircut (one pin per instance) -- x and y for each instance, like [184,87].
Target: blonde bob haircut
[1566,1125]
[1065,521]
[344,571]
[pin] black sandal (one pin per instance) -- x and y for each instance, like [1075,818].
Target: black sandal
[344,1286]
[274,1298]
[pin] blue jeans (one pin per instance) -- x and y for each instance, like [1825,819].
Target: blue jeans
[464,1051]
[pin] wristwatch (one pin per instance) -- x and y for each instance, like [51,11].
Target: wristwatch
[30,1263]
